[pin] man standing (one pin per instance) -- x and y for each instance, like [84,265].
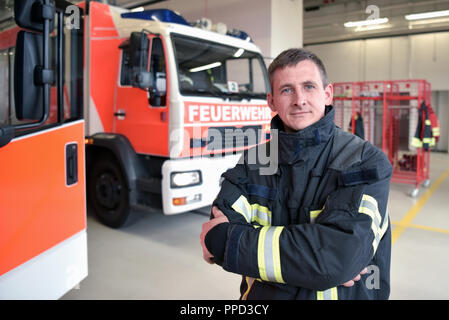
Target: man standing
[316,226]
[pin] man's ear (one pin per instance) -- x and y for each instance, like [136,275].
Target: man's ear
[271,102]
[329,94]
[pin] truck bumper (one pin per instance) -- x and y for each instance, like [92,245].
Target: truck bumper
[199,195]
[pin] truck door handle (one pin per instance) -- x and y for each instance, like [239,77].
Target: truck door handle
[71,163]
[120,114]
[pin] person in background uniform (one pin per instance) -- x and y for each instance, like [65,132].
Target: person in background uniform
[318,227]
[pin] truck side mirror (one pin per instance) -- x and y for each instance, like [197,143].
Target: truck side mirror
[32,74]
[139,46]
[31,14]
[28,95]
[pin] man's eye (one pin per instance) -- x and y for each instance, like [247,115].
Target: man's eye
[286,90]
[309,86]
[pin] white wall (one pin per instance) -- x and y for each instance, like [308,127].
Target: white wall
[423,56]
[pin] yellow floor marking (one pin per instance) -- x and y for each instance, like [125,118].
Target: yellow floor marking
[416,226]
[411,214]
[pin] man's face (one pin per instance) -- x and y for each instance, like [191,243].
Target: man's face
[298,95]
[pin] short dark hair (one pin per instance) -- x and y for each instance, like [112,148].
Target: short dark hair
[292,57]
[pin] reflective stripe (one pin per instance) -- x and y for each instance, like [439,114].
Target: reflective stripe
[329,294]
[268,254]
[428,122]
[252,212]
[242,206]
[249,283]
[261,214]
[368,206]
[436,131]
[416,143]
[314,214]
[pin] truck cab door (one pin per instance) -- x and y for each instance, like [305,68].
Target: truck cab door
[142,114]
[43,242]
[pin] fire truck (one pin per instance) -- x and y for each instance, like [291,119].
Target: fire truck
[169,105]
[43,242]
[168,108]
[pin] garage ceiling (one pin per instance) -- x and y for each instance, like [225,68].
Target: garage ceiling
[324,19]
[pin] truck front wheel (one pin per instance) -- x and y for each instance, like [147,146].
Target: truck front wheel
[107,192]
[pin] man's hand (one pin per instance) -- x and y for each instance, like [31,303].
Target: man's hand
[218,217]
[350,283]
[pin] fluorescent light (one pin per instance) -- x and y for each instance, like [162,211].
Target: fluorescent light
[427,15]
[238,53]
[205,67]
[370,28]
[368,22]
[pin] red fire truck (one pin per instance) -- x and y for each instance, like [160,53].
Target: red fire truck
[168,107]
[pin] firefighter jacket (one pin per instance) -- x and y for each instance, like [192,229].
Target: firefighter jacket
[423,135]
[435,123]
[314,224]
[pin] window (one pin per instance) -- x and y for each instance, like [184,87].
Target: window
[126,70]
[212,69]
[158,97]
[5,62]
[72,82]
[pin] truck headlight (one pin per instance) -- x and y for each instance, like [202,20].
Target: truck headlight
[184,179]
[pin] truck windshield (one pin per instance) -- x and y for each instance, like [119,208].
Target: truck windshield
[211,69]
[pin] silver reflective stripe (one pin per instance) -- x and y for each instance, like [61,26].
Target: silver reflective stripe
[329,294]
[268,254]
[242,206]
[252,212]
[369,206]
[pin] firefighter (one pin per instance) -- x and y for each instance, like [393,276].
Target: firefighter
[320,220]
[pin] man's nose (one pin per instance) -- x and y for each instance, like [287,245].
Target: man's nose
[300,99]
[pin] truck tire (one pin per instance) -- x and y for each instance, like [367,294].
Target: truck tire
[108,193]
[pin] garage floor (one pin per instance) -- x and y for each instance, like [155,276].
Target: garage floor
[159,257]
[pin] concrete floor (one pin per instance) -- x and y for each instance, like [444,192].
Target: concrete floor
[159,257]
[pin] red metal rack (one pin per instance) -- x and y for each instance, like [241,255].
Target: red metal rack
[389,110]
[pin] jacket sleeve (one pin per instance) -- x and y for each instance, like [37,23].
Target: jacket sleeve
[334,249]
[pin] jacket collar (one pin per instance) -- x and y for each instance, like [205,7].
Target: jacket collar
[294,146]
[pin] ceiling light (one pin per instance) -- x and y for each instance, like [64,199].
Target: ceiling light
[205,67]
[368,22]
[427,15]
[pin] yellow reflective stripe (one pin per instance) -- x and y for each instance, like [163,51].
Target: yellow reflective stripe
[276,255]
[268,254]
[242,206]
[314,214]
[249,283]
[329,294]
[436,131]
[416,143]
[260,214]
[428,122]
[261,253]
[369,206]
[252,212]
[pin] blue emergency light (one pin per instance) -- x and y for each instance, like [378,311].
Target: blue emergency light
[162,15]
[169,16]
